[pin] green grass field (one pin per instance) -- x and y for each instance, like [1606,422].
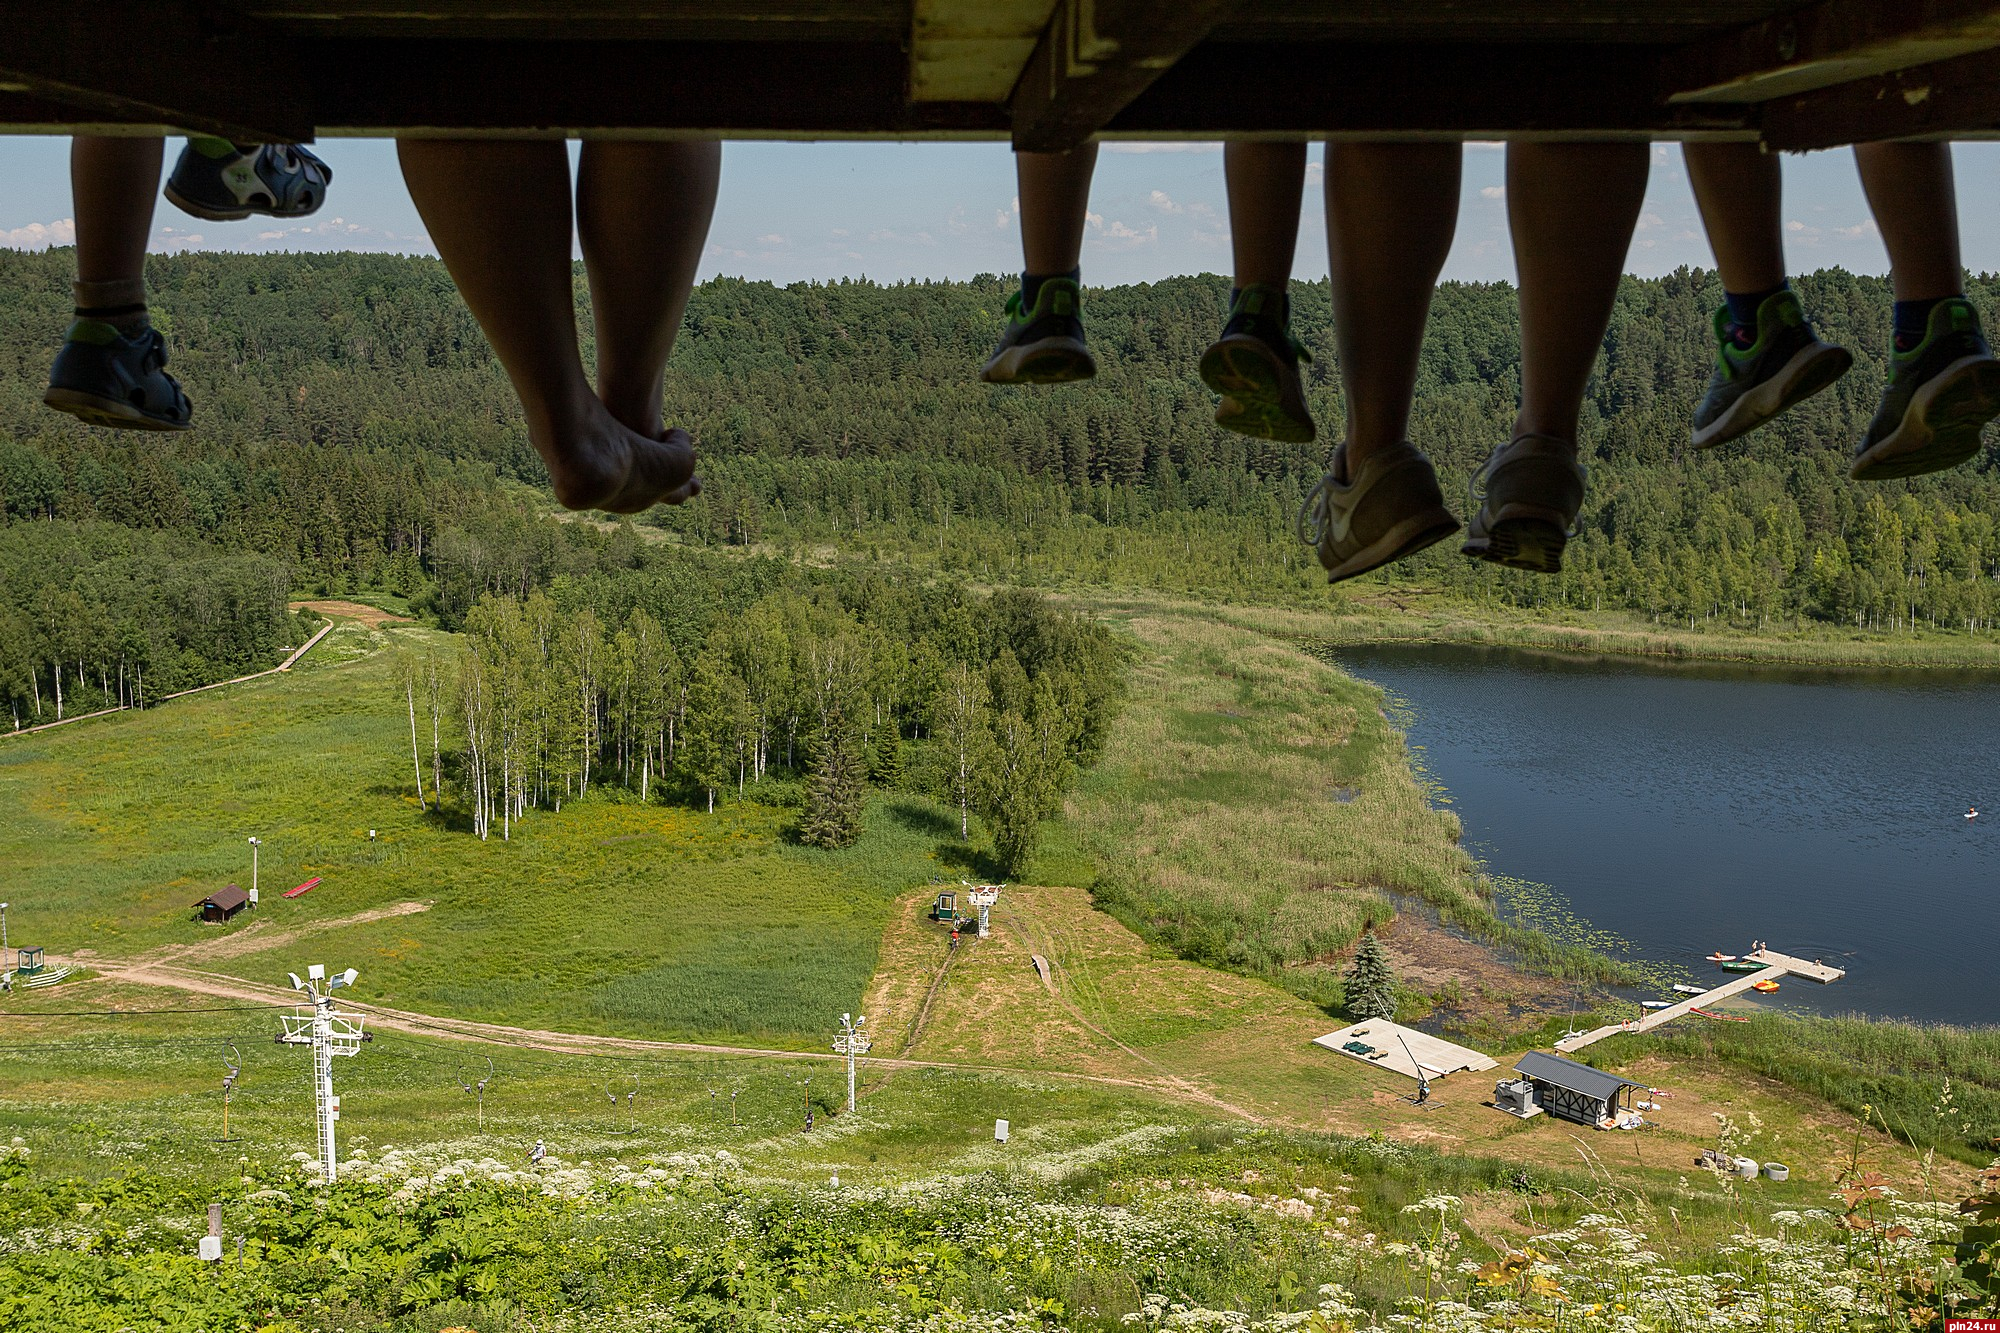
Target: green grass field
[610,916]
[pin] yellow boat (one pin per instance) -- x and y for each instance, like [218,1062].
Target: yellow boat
[1766,986]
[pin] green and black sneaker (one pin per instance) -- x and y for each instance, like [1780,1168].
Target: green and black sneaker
[1042,344]
[1254,365]
[1751,385]
[1941,393]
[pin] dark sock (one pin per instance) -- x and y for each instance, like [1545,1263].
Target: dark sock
[1913,319]
[127,319]
[1743,307]
[1031,284]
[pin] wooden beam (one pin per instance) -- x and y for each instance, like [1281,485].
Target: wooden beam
[1950,97]
[1459,90]
[1831,42]
[161,61]
[1095,57]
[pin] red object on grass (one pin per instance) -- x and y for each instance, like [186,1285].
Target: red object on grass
[306,887]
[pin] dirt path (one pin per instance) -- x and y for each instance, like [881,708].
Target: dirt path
[369,617]
[253,938]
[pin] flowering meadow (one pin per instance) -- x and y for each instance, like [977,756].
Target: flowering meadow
[1182,1230]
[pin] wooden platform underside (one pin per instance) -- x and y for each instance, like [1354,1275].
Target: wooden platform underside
[1047,74]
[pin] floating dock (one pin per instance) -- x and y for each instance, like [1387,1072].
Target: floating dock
[1775,965]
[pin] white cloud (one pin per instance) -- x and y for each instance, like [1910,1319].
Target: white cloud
[1118,231]
[1865,227]
[1795,225]
[1492,192]
[1315,173]
[40,235]
[1001,217]
[770,238]
[1090,219]
[1162,201]
[1648,221]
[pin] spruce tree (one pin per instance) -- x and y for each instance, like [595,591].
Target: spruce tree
[885,765]
[834,788]
[1371,986]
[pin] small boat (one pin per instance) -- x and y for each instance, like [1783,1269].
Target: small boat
[1727,1018]
[1741,965]
[1686,989]
[1766,986]
[1656,1004]
[1972,814]
[1722,958]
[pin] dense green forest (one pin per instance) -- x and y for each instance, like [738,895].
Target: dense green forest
[693,672]
[353,432]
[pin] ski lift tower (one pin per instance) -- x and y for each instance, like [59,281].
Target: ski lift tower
[851,1041]
[983,897]
[329,1032]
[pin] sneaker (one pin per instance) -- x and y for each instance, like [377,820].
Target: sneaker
[1941,393]
[107,378]
[1528,493]
[1043,345]
[1389,508]
[1786,365]
[215,180]
[1254,365]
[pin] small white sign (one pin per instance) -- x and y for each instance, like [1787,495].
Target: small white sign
[210,1248]
[999,1131]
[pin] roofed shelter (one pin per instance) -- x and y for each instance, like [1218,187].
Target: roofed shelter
[1045,75]
[223,904]
[1575,1091]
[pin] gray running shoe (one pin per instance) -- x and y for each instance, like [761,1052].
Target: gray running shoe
[1528,494]
[215,180]
[1254,365]
[1043,345]
[1389,508]
[108,378]
[1941,394]
[1785,366]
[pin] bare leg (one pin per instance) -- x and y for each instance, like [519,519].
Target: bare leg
[112,182]
[499,212]
[1391,209]
[1740,190]
[1055,195]
[1265,181]
[642,212]
[1911,192]
[1571,207]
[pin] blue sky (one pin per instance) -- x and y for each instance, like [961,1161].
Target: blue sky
[889,211]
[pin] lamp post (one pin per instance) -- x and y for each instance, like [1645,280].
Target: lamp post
[255,844]
[329,1032]
[851,1042]
[3,939]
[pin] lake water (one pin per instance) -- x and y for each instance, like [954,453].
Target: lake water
[1689,809]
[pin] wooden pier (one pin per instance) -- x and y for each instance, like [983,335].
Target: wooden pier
[1775,965]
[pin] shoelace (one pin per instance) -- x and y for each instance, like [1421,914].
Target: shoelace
[1313,514]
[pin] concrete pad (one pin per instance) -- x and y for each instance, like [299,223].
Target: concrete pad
[1439,1057]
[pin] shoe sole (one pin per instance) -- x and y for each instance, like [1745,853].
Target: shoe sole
[1259,398]
[96,410]
[1941,427]
[204,211]
[1521,537]
[1406,538]
[1044,361]
[1810,370]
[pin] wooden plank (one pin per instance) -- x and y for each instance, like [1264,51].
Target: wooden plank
[1827,43]
[160,61]
[1448,89]
[1094,57]
[550,20]
[1952,97]
[972,50]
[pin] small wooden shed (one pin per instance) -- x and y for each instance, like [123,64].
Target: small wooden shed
[1572,1090]
[223,904]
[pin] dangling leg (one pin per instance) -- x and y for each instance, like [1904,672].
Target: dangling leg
[1254,364]
[1043,340]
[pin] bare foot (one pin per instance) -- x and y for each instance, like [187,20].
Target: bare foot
[598,463]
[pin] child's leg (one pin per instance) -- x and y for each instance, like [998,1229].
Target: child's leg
[112,183]
[1043,340]
[1767,356]
[1390,212]
[111,370]
[1391,209]
[642,213]
[499,212]
[1254,364]
[1571,207]
[1944,385]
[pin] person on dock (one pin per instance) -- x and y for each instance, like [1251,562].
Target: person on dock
[1944,383]
[499,211]
[112,369]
